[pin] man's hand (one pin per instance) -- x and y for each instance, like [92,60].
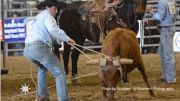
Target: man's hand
[149,9]
[71,41]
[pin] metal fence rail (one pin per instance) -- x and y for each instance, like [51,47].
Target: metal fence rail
[29,13]
[151,33]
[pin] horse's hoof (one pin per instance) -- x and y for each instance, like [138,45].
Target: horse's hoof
[75,80]
[151,93]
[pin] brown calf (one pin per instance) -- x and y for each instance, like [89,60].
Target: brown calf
[119,43]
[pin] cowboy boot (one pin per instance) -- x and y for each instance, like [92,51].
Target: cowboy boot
[42,99]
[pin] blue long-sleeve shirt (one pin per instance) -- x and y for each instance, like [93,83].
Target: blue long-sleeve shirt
[163,13]
[45,29]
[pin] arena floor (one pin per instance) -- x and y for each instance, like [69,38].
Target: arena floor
[89,87]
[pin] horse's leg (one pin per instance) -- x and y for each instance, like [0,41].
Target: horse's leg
[66,53]
[142,70]
[74,59]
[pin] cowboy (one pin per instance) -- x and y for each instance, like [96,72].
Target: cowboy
[166,14]
[38,43]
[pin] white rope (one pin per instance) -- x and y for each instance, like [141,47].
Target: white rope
[22,94]
[33,80]
[85,75]
[89,50]
[54,84]
[71,79]
[79,50]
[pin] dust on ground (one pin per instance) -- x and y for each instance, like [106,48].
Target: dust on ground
[89,87]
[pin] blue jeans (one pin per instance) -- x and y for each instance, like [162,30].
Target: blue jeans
[167,55]
[41,54]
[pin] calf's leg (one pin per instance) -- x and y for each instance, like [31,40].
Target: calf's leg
[110,95]
[104,90]
[142,70]
[124,74]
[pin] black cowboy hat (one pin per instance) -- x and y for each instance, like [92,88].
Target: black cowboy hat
[58,4]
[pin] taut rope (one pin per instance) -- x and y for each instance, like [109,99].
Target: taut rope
[86,49]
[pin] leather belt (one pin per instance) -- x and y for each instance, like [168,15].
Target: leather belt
[35,42]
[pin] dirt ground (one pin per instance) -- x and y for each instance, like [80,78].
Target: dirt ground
[89,87]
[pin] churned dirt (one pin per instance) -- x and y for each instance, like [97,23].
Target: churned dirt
[89,86]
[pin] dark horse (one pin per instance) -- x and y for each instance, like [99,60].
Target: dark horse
[71,21]
[125,14]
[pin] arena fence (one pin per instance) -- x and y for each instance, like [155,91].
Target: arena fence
[148,39]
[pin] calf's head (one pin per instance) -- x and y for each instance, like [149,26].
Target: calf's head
[110,74]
